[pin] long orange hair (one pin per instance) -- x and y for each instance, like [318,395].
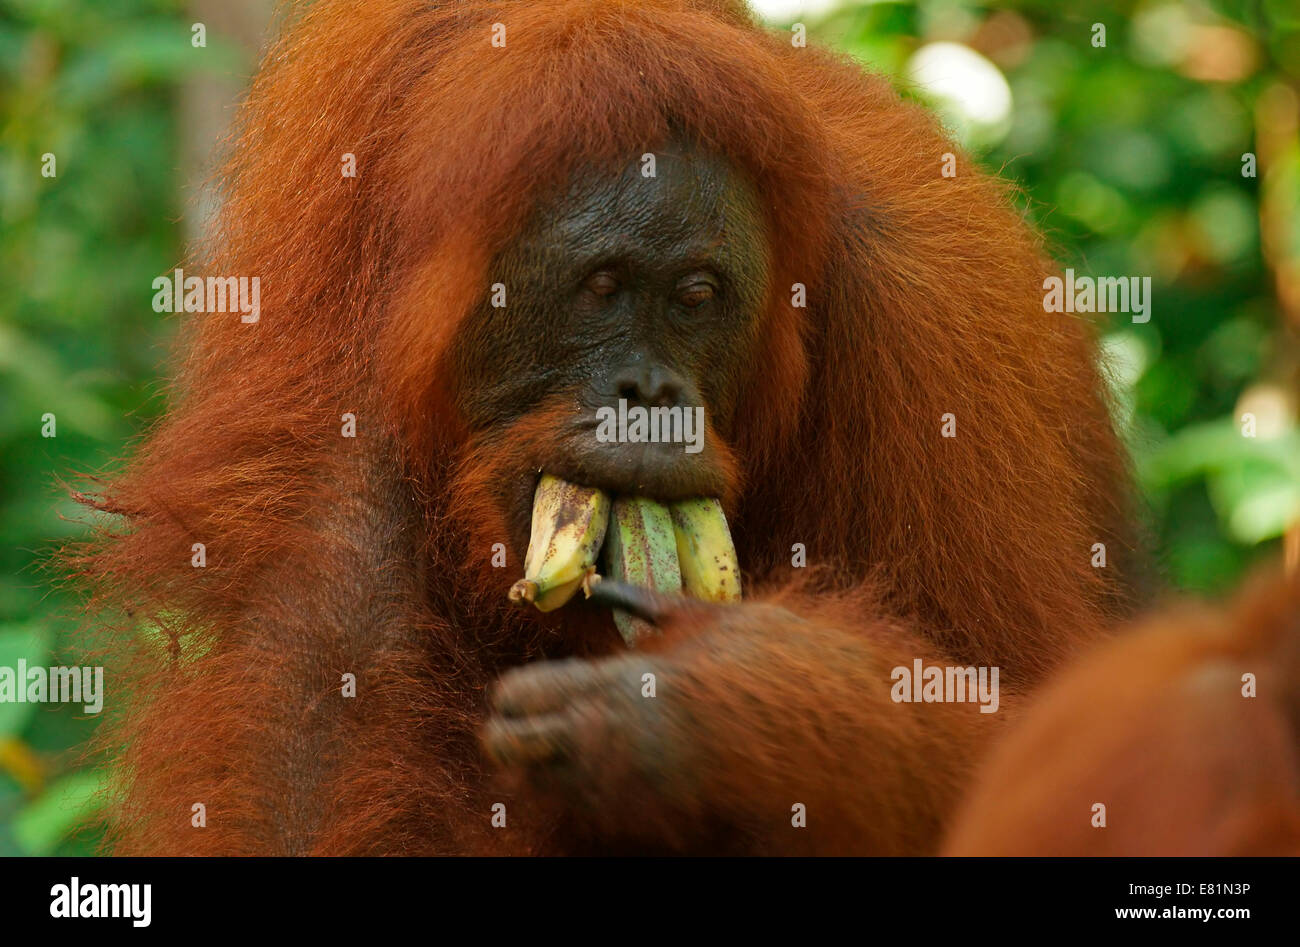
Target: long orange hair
[923,301]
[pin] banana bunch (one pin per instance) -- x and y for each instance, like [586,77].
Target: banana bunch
[666,548]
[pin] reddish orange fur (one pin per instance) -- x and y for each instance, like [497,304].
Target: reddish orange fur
[1155,727]
[924,299]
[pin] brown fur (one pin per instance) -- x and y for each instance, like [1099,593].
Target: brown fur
[1156,728]
[371,556]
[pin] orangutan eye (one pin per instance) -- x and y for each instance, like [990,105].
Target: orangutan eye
[602,283]
[696,294]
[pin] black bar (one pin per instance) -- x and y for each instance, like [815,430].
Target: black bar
[655,897]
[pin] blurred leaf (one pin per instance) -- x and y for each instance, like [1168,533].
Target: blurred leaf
[1218,447]
[1257,501]
[21,642]
[69,802]
[193,645]
[1203,565]
[143,53]
[22,765]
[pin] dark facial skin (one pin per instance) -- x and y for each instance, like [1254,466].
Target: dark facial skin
[648,289]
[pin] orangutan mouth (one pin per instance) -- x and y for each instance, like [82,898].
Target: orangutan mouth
[682,546]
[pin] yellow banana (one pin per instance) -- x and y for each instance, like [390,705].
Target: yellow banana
[569,524]
[645,543]
[705,552]
[640,549]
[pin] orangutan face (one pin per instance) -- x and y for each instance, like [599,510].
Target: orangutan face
[632,292]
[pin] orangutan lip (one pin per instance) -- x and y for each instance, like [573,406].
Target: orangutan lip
[662,472]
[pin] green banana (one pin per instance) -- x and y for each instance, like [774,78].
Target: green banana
[569,524]
[645,543]
[640,549]
[705,552]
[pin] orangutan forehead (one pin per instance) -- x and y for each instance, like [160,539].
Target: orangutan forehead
[694,204]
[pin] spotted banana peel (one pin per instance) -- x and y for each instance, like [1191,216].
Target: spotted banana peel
[569,524]
[705,550]
[640,549]
[667,548]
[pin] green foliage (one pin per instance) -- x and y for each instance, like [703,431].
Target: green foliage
[30,643]
[94,83]
[43,826]
[1128,158]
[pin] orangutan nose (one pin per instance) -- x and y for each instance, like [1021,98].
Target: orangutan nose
[651,386]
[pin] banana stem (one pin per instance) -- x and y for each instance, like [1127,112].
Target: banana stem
[523,592]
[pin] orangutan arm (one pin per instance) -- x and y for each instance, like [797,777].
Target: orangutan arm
[313,723]
[755,711]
